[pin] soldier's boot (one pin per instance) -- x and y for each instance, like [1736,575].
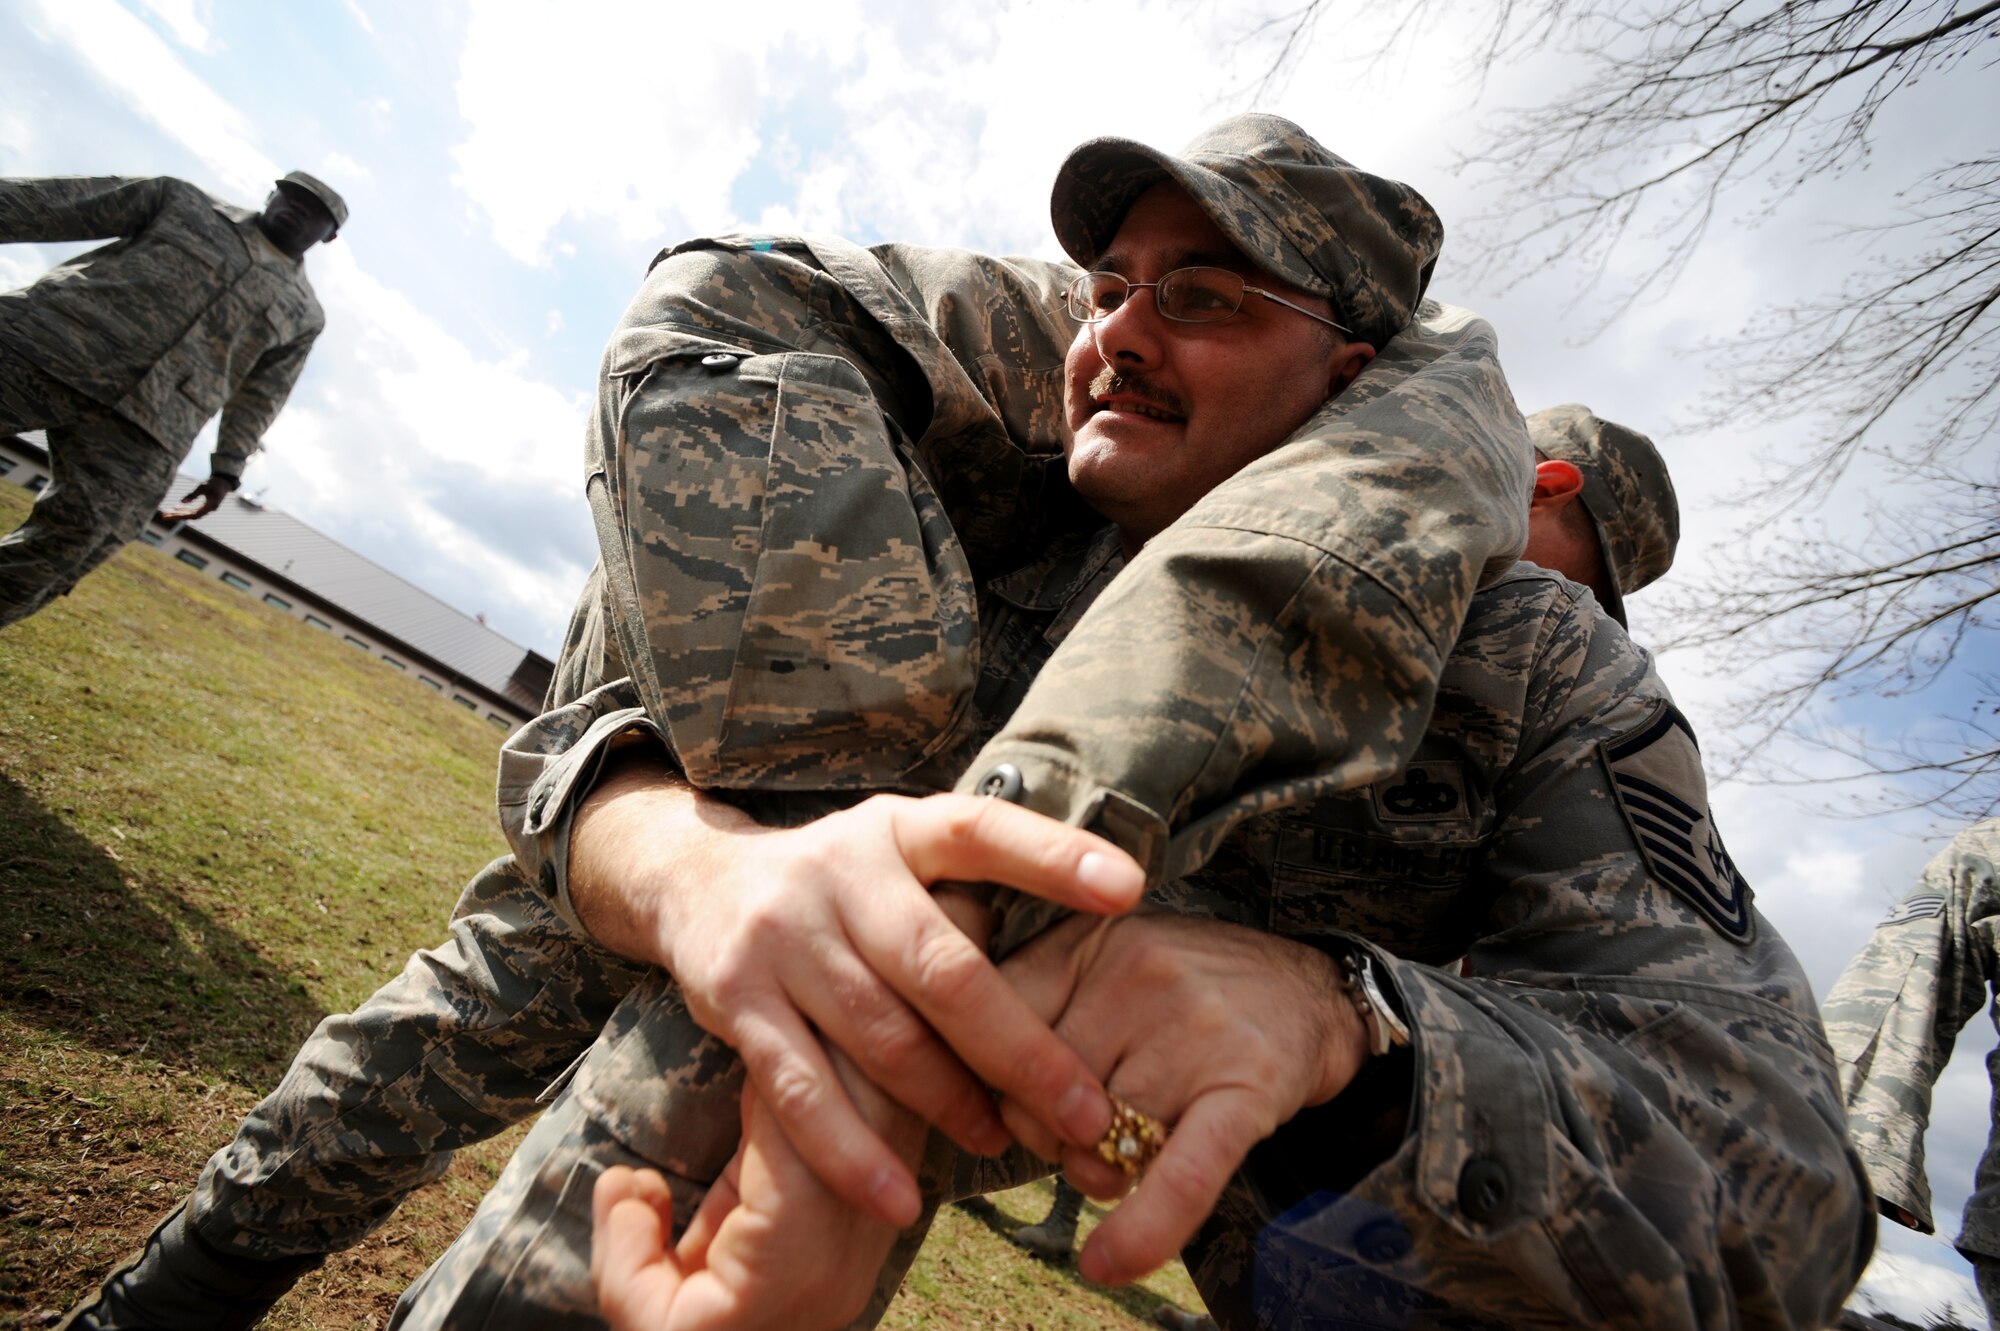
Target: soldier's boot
[176,1282]
[1170,1318]
[1055,1236]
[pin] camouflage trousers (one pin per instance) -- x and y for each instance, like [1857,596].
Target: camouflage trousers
[106,479]
[456,1048]
[524,1261]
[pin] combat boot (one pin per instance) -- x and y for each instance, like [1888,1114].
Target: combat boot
[1170,1318]
[176,1282]
[1055,1236]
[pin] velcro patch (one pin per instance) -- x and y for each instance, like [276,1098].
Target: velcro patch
[1424,792]
[1664,796]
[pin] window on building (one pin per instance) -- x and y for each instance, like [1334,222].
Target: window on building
[151,537]
[390,660]
[353,641]
[276,602]
[430,683]
[229,579]
[37,484]
[465,702]
[190,558]
[6,465]
[499,720]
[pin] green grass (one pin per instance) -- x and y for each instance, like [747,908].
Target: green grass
[216,825]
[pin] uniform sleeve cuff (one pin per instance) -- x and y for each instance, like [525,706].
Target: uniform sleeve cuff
[1050,781]
[538,790]
[1482,1107]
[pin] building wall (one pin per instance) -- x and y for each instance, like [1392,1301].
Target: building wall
[32,474]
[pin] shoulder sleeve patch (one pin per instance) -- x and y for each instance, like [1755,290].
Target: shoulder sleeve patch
[1664,797]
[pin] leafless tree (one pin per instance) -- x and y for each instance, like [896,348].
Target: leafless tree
[1687,113]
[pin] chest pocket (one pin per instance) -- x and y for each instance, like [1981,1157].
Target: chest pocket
[237,329]
[1393,862]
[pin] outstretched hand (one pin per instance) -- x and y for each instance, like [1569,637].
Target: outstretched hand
[198,502]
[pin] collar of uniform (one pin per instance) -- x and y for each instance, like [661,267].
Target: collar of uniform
[1071,564]
[262,248]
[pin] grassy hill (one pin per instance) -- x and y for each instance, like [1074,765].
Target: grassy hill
[216,825]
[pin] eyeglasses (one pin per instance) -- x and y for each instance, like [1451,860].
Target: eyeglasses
[1186,295]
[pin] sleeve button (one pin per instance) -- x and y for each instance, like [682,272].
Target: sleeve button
[1381,1242]
[1003,783]
[1483,1189]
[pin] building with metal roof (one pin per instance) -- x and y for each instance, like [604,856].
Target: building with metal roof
[297,571]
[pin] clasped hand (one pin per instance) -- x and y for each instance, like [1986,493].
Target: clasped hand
[1223,1030]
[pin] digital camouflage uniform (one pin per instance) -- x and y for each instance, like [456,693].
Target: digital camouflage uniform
[963,354]
[1507,1082]
[751,376]
[1893,1017]
[1626,1115]
[136,343]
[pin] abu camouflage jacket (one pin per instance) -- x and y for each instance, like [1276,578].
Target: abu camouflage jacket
[191,311]
[1895,1013]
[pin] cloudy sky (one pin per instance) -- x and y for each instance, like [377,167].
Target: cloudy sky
[512,167]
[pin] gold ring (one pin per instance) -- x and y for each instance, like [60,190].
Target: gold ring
[1134,1139]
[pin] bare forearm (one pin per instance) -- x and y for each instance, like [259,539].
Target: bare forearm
[641,835]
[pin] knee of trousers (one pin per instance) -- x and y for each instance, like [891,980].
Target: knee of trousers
[806,608]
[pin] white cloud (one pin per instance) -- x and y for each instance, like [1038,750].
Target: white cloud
[398,424]
[131,57]
[188,20]
[643,115]
[1916,1289]
[406,420]
[343,172]
[360,16]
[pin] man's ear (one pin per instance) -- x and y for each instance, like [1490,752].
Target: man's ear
[1349,361]
[1556,484]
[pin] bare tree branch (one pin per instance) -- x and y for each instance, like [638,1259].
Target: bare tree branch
[1685,113]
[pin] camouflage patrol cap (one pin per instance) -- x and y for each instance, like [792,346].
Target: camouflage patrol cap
[1626,491]
[1293,208]
[322,191]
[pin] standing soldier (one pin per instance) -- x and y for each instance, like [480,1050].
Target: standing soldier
[1893,1016]
[123,353]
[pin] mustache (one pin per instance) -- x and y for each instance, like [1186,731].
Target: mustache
[1107,381]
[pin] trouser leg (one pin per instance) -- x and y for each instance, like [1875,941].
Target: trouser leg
[523,1264]
[1054,1235]
[106,478]
[456,1048]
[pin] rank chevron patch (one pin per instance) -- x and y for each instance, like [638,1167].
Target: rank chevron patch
[1661,789]
[1925,906]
